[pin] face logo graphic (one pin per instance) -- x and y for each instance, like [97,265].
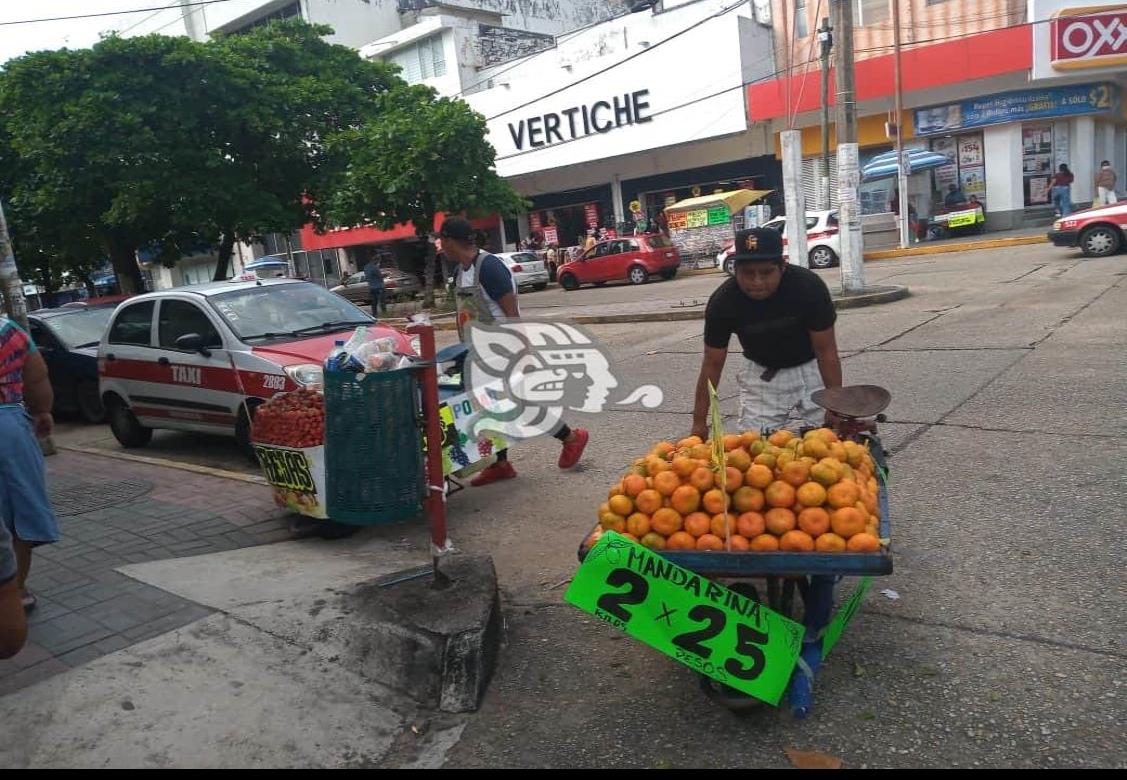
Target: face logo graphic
[751,243]
[525,374]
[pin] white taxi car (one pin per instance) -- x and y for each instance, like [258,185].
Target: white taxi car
[201,358]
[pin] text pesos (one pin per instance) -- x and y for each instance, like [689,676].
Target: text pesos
[578,121]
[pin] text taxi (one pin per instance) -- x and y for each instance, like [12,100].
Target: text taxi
[201,358]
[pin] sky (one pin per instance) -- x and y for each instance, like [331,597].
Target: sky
[17,39]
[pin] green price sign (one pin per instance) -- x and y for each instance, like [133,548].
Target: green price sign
[696,219]
[718,215]
[707,627]
[843,616]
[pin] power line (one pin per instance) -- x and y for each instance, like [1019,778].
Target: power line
[624,60]
[111,13]
[555,44]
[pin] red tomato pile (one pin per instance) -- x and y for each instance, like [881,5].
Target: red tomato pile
[295,419]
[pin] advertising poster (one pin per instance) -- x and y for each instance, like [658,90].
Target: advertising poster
[970,150]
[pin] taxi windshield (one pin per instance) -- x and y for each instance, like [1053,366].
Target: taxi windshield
[282,311]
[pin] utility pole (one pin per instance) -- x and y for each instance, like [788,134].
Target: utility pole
[826,42]
[848,165]
[902,165]
[14,303]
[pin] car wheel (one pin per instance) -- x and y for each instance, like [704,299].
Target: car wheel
[936,232]
[90,403]
[569,282]
[541,286]
[125,427]
[729,266]
[637,275]
[667,275]
[242,427]
[1099,241]
[822,257]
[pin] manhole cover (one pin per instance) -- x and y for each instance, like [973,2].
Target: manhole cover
[90,497]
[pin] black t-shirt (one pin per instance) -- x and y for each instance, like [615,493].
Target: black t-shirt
[775,332]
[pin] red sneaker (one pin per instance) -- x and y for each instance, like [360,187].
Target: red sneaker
[496,472]
[573,450]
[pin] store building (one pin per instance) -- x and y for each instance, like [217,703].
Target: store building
[1007,104]
[643,109]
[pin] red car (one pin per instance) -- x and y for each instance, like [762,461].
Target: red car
[633,259]
[1098,232]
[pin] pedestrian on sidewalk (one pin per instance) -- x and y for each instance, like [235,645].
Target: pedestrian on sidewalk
[13,619]
[1062,190]
[783,316]
[1105,185]
[375,288]
[26,399]
[487,292]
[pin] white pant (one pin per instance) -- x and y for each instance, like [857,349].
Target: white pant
[1105,197]
[784,402]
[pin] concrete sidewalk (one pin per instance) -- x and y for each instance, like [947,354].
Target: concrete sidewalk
[113,514]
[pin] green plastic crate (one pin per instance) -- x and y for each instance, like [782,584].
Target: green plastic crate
[374,470]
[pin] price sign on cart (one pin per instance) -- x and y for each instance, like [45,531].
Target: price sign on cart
[707,627]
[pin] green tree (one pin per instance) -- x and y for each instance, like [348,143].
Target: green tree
[166,145]
[286,91]
[112,145]
[421,156]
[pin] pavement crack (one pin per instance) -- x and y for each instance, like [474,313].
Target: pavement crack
[1073,315]
[1039,640]
[1018,278]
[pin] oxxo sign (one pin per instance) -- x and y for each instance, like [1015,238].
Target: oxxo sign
[577,121]
[1081,39]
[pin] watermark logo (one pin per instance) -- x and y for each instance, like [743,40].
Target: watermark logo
[526,374]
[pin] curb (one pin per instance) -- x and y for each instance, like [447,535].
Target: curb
[965,246]
[208,471]
[883,294]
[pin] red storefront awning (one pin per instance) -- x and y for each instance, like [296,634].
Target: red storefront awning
[334,239]
[994,53]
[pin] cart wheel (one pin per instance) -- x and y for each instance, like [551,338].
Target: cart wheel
[728,697]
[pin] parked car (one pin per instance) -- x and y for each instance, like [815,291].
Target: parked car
[1098,232]
[528,270]
[823,243]
[398,285]
[633,259]
[202,358]
[100,300]
[68,339]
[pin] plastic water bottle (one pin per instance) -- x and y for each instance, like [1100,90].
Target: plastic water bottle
[336,356]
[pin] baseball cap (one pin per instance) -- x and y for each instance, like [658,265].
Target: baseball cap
[457,229]
[757,244]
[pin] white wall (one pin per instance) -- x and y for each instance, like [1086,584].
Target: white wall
[1002,148]
[691,67]
[355,22]
[1083,158]
[754,142]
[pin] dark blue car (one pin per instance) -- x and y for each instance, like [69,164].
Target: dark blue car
[68,338]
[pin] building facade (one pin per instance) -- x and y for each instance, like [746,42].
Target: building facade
[984,82]
[643,109]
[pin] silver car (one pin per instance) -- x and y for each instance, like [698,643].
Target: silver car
[528,270]
[398,285]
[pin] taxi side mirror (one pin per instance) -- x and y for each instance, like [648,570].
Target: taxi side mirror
[193,342]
